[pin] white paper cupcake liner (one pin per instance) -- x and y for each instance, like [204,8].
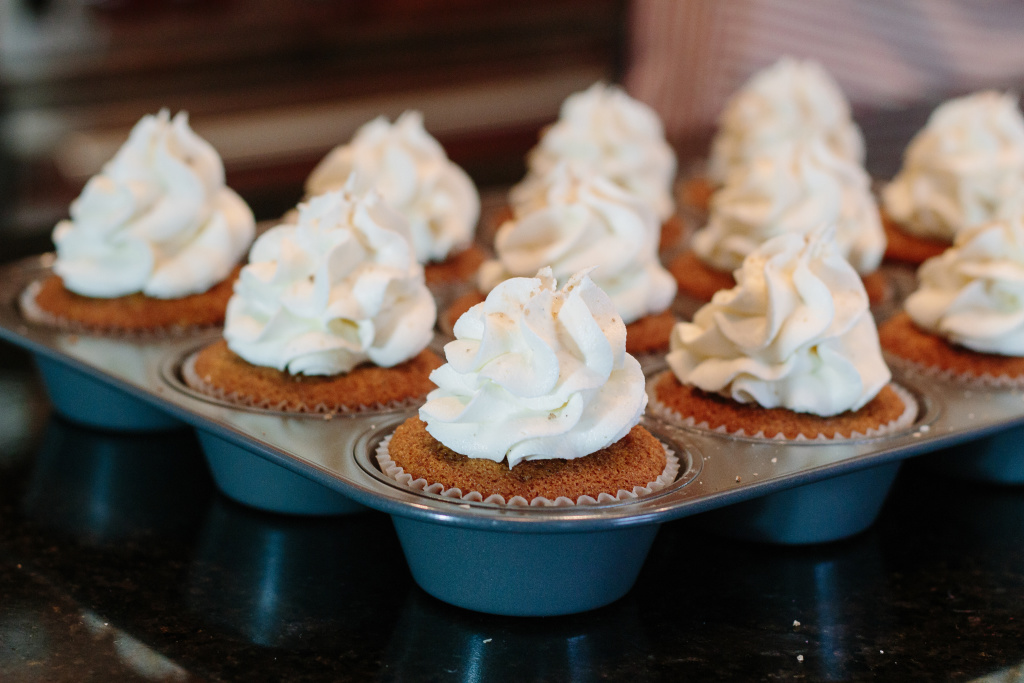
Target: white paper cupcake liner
[397,473]
[33,313]
[667,414]
[969,379]
[237,399]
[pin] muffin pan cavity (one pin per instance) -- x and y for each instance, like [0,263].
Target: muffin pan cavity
[526,561]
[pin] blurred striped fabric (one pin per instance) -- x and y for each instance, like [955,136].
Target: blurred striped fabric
[687,56]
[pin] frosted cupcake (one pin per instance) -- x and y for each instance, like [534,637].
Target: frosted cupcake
[613,135]
[790,100]
[538,403]
[583,220]
[330,315]
[153,242]
[966,319]
[411,171]
[791,352]
[964,168]
[791,187]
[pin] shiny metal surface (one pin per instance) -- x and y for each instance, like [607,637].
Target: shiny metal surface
[323,448]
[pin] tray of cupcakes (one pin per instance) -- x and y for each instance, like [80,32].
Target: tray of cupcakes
[527,462]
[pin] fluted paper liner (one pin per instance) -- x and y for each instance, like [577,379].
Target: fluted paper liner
[970,379]
[667,414]
[397,473]
[234,398]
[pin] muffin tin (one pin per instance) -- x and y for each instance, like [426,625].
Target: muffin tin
[524,561]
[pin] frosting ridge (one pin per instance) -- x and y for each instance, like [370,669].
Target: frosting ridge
[157,219]
[339,288]
[536,372]
[790,100]
[576,220]
[412,172]
[794,333]
[618,137]
[793,186]
[973,293]
[964,168]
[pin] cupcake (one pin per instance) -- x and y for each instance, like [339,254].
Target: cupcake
[964,168]
[792,186]
[584,220]
[538,403]
[153,242]
[412,173]
[790,353]
[790,100]
[330,315]
[966,319]
[608,132]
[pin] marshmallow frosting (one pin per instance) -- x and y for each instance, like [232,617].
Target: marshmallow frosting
[794,186]
[794,333]
[618,137]
[157,219]
[964,168]
[339,288]
[790,100]
[536,372]
[411,171]
[578,220]
[973,293]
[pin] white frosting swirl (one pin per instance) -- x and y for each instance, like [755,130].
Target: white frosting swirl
[157,219]
[790,100]
[535,373]
[964,168]
[411,171]
[339,288]
[794,186]
[794,333]
[580,221]
[973,293]
[616,136]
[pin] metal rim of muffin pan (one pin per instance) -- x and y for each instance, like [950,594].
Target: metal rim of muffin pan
[731,470]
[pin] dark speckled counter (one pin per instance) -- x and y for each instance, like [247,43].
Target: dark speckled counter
[118,562]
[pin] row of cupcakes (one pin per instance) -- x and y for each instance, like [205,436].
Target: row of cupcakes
[787,148]
[342,286]
[329,300]
[331,313]
[788,154]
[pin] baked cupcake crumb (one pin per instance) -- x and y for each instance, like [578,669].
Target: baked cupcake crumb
[134,313]
[721,412]
[697,279]
[908,248]
[634,460]
[901,337]
[673,232]
[458,267]
[695,193]
[218,371]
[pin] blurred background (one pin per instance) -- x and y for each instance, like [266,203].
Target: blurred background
[275,85]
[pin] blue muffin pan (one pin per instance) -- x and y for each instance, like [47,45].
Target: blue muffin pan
[994,459]
[563,559]
[91,401]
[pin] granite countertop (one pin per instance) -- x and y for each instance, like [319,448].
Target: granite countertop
[118,561]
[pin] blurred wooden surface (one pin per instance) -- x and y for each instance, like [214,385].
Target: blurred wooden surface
[274,85]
